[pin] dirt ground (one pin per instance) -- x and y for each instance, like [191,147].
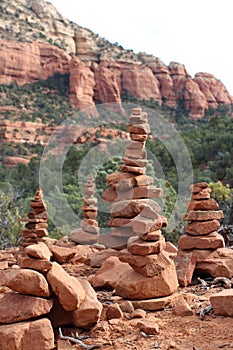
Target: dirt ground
[175,332]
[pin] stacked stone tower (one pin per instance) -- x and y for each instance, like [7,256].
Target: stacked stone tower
[203,218]
[130,189]
[136,220]
[36,227]
[88,233]
[201,237]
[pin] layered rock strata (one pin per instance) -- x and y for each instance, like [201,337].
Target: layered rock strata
[89,231]
[136,220]
[201,237]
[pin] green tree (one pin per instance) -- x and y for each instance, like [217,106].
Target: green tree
[11,205]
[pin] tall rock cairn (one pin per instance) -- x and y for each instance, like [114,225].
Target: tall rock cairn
[131,190]
[88,233]
[136,221]
[36,227]
[201,237]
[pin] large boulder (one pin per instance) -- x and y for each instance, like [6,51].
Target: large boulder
[36,335]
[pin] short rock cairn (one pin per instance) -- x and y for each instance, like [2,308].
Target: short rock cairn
[136,221]
[42,295]
[201,237]
[88,233]
[36,227]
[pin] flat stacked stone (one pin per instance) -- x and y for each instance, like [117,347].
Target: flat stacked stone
[88,233]
[201,237]
[36,227]
[131,190]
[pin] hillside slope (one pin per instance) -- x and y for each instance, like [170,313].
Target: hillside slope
[42,42]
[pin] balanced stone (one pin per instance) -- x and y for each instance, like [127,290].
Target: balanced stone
[207,204]
[211,241]
[201,215]
[200,228]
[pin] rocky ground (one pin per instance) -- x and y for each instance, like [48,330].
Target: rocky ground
[180,332]
[174,322]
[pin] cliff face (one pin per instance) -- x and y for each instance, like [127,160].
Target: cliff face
[42,42]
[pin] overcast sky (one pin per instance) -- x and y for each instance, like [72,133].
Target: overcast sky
[196,33]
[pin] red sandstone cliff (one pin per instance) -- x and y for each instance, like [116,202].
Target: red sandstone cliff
[106,81]
[99,71]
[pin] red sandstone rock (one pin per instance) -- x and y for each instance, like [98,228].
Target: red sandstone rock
[36,335]
[42,265]
[151,191]
[198,187]
[67,288]
[149,265]
[114,311]
[181,307]
[81,85]
[138,313]
[134,77]
[210,241]
[114,178]
[152,236]
[203,215]
[134,285]
[197,228]
[83,237]
[11,162]
[218,264]
[207,204]
[140,247]
[36,61]
[62,254]
[15,307]
[58,316]
[222,303]
[201,254]
[27,281]
[38,251]
[97,259]
[185,262]
[109,273]
[133,207]
[213,89]
[148,326]
[89,311]
[203,194]
[30,62]
[106,89]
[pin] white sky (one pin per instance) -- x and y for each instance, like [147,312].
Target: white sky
[196,33]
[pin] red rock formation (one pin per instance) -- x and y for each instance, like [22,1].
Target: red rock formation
[107,88]
[213,89]
[10,162]
[139,81]
[30,62]
[81,85]
[21,132]
[144,77]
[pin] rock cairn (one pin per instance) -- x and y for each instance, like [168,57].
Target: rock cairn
[201,237]
[88,233]
[130,189]
[42,295]
[36,226]
[136,222]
